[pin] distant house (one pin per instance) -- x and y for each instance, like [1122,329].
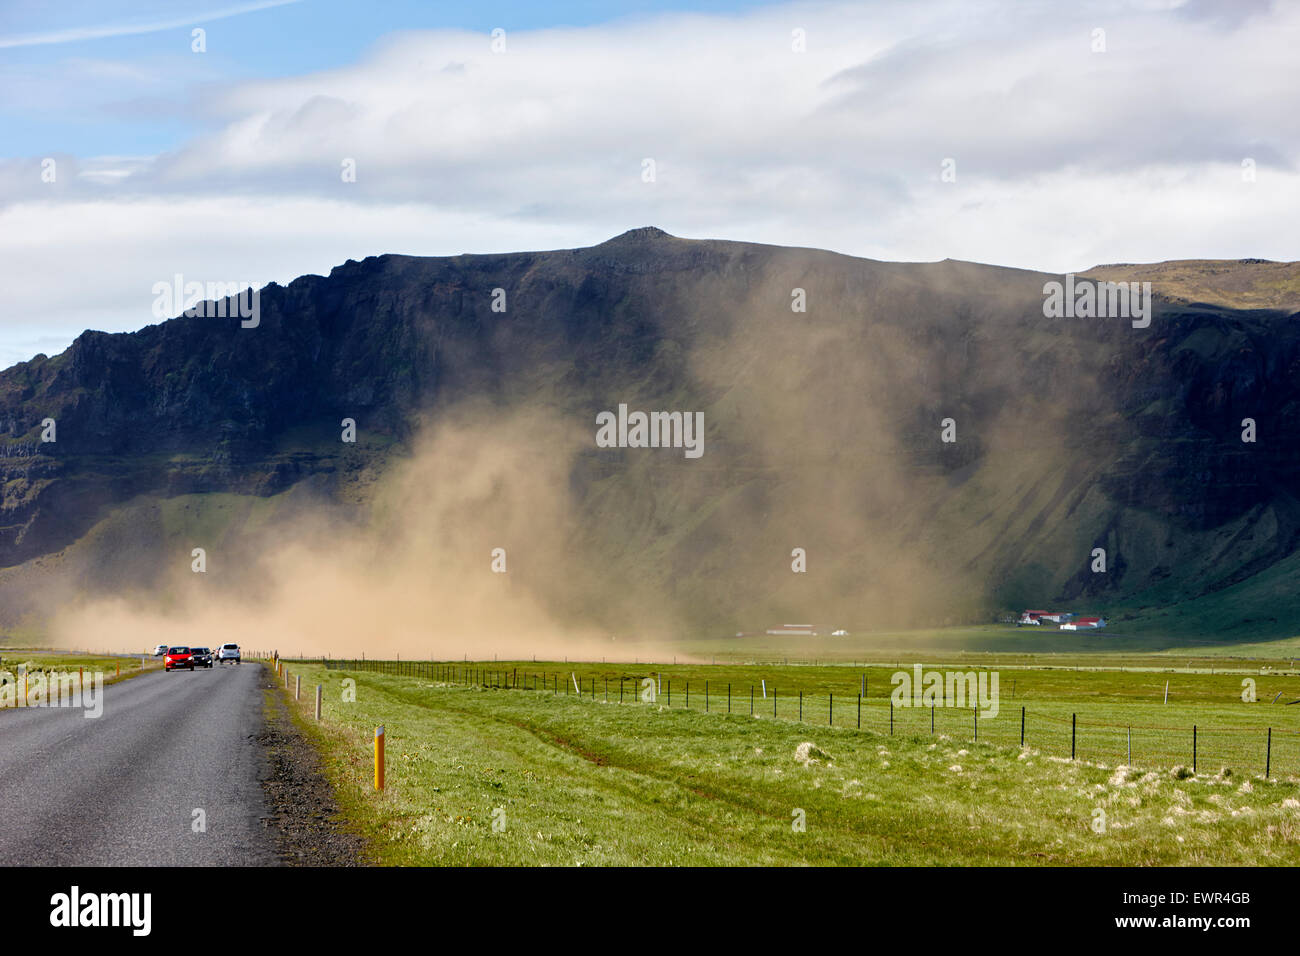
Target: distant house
[1084,624]
[1038,617]
[803,630]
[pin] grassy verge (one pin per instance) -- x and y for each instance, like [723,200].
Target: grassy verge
[113,668]
[568,780]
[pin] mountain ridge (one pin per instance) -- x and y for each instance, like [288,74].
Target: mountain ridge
[821,426]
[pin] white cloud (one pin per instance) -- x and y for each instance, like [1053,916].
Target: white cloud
[1064,157]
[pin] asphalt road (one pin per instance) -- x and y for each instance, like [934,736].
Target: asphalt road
[122,789]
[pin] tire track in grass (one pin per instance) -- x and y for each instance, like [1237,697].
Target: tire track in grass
[771,809]
[871,840]
[630,795]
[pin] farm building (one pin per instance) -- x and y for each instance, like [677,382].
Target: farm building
[1040,617]
[805,630]
[1084,623]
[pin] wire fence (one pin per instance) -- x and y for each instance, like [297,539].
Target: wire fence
[1052,729]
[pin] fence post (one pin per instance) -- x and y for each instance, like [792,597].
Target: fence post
[297,686]
[1130,746]
[832,711]
[728,698]
[1072,727]
[1268,754]
[859,712]
[318,699]
[975,715]
[706,697]
[751,700]
[1022,727]
[379,758]
[891,716]
[1193,748]
[801,706]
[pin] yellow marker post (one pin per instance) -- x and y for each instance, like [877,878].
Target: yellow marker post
[379,758]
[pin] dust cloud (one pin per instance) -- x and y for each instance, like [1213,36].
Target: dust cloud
[822,433]
[412,575]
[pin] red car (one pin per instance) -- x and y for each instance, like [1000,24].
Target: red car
[177,658]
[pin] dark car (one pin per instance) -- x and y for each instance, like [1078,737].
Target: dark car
[178,658]
[201,657]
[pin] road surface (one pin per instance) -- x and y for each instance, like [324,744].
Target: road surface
[122,789]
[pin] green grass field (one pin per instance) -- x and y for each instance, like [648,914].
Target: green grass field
[113,667]
[572,780]
[1120,638]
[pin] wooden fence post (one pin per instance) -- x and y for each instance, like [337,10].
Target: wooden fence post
[1072,726]
[1022,727]
[1268,754]
[318,700]
[1193,748]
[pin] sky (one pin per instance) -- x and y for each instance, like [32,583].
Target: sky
[1040,135]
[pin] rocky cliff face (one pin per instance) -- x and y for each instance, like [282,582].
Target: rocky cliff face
[823,426]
